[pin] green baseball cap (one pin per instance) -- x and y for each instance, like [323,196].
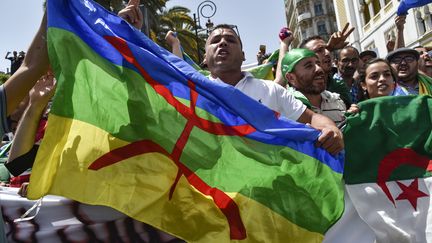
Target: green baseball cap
[293,57]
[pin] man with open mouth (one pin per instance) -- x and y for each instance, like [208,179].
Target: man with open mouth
[302,69]
[406,63]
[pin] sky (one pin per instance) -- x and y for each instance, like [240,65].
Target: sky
[258,22]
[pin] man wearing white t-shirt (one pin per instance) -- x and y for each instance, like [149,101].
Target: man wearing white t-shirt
[224,57]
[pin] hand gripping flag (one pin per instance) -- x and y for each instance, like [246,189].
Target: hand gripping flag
[406,5]
[388,172]
[137,129]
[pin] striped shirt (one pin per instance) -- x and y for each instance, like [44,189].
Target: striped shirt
[332,106]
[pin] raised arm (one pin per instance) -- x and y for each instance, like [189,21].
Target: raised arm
[286,37]
[338,39]
[132,14]
[400,25]
[35,64]
[174,42]
[7,55]
[25,134]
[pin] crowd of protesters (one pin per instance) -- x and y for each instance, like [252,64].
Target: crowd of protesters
[309,86]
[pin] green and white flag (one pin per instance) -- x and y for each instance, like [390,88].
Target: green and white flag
[388,167]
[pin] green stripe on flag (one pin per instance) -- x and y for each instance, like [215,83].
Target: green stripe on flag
[146,115]
[311,188]
[383,126]
[84,95]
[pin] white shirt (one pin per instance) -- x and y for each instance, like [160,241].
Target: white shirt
[271,95]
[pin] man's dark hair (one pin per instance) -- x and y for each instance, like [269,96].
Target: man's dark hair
[349,48]
[305,41]
[230,27]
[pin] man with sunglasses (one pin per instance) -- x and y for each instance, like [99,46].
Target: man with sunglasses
[406,63]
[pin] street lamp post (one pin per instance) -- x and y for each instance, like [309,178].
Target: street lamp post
[211,7]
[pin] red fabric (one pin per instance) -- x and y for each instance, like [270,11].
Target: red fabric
[41,130]
[17,181]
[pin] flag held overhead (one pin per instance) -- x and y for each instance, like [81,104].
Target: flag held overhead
[406,5]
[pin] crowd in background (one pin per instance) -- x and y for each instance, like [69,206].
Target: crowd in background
[310,85]
[325,77]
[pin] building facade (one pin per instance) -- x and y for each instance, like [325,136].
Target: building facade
[375,25]
[310,17]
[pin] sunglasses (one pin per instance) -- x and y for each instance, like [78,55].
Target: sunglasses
[407,59]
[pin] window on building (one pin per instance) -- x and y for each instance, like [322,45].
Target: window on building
[376,6]
[420,23]
[427,18]
[321,26]
[366,13]
[318,9]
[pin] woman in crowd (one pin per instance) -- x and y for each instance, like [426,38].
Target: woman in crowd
[377,80]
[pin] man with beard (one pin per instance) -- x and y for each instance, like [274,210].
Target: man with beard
[406,63]
[224,57]
[302,69]
[322,49]
[347,66]
[425,61]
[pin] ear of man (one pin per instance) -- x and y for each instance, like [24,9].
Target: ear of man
[291,78]
[204,59]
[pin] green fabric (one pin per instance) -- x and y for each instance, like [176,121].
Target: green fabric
[83,97]
[339,87]
[112,114]
[273,58]
[382,126]
[213,160]
[293,57]
[425,84]
[263,71]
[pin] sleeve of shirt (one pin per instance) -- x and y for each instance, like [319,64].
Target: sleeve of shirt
[4,128]
[291,107]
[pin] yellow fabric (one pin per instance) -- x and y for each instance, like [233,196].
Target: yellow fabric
[139,187]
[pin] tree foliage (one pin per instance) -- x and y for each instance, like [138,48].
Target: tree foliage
[4,77]
[178,19]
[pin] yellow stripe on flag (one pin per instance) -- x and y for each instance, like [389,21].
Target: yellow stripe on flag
[139,186]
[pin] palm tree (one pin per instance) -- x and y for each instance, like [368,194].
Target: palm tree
[177,19]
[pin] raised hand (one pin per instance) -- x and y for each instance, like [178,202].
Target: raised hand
[171,38]
[132,14]
[43,90]
[338,39]
[286,36]
[400,22]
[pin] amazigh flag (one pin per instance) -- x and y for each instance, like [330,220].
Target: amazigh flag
[406,5]
[137,129]
[264,71]
[388,167]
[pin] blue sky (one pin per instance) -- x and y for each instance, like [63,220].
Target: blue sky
[258,22]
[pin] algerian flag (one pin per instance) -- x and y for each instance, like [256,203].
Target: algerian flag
[388,167]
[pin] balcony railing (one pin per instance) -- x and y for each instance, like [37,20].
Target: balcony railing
[304,16]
